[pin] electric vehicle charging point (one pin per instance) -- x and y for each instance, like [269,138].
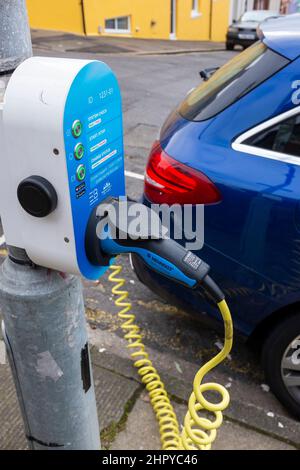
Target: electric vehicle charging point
[63,137]
[62,121]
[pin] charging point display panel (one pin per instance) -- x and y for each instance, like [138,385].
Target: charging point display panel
[93,134]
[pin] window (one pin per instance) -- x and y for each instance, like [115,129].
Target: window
[110,24]
[118,25]
[173,19]
[195,9]
[283,137]
[231,82]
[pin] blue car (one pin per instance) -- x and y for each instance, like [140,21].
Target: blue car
[233,144]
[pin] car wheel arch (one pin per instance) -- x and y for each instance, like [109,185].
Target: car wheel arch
[261,331]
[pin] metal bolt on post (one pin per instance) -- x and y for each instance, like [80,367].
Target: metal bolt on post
[44,324]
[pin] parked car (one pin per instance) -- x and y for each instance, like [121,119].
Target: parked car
[244,31]
[234,144]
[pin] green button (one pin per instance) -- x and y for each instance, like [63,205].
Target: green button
[80,172]
[79,151]
[76,128]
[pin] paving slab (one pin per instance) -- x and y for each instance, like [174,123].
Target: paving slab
[11,425]
[113,394]
[234,437]
[141,432]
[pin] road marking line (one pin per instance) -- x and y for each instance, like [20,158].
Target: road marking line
[2,240]
[137,176]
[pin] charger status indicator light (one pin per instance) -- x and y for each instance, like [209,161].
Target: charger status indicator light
[77,128]
[80,172]
[79,151]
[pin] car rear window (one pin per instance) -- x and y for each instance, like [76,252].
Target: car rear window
[232,81]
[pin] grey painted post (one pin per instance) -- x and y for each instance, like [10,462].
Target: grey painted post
[15,41]
[46,335]
[44,320]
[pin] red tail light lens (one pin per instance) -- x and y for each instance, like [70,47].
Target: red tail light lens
[169,181]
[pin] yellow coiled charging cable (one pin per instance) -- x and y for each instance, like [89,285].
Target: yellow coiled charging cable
[198,432]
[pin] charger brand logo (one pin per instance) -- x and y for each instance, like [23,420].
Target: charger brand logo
[106,188]
[93,196]
[296,94]
[160,263]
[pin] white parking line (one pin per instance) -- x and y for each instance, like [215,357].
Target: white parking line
[137,176]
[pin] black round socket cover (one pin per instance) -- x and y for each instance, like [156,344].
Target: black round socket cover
[37,196]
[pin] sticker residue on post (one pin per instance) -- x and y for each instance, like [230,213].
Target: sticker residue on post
[2,353]
[48,367]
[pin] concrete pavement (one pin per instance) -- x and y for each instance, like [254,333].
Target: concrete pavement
[127,421]
[56,40]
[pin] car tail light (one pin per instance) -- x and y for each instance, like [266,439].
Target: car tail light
[169,181]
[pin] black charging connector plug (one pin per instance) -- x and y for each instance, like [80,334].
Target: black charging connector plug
[107,236]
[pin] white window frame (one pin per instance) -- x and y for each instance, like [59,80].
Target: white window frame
[173,13]
[195,13]
[240,146]
[116,30]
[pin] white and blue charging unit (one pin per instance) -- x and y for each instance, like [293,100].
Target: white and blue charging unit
[63,145]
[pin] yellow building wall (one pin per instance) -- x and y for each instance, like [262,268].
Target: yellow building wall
[63,15]
[149,18]
[189,28]
[211,23]
[220,19]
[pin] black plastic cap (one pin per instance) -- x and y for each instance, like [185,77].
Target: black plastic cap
[214,290]
[37,196]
